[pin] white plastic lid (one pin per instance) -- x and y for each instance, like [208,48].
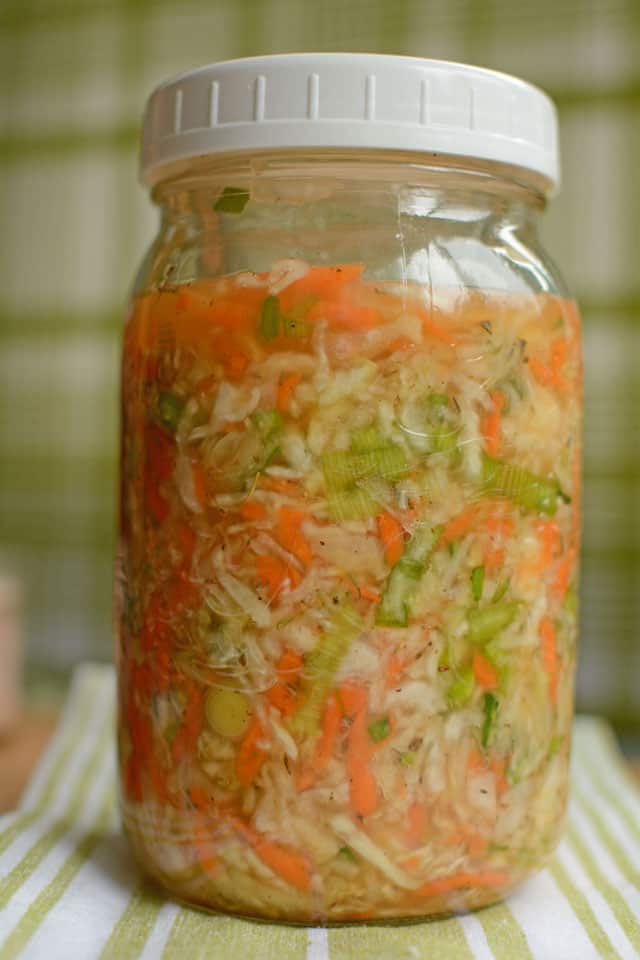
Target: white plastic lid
[351,100]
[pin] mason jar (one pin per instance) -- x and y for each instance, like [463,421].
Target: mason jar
[350,512]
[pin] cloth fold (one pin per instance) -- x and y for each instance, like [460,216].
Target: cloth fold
[69,889]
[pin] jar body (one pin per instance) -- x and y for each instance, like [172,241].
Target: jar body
[349,532]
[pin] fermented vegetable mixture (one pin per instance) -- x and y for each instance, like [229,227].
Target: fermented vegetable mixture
[347,590]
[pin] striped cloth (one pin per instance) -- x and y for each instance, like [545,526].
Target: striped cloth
[69,890]
[73,78]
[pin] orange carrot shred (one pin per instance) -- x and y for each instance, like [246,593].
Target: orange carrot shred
[236,364]
[369,593]
[457,881]
[491,423]
[461,524]
[392,536]
[253,510]
[250,755]
[549,655]
[484,671]
[272,573]
[288,863]
[199,483]
[393,671]
[431,328]
[363,790]
[290,535]
[331,717]
[562,576]
[282,695]
[323,282]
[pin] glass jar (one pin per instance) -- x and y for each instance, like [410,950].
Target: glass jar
[349,524]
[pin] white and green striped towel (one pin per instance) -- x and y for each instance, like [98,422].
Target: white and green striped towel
[69,890]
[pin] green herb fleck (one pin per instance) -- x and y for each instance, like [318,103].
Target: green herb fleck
[269,322]
[477,582]
[170,406]
[380,729]
[348,854]
[490,709]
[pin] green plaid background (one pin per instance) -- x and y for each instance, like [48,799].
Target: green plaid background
[73,79]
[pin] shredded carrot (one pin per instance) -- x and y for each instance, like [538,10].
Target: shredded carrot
[272,572]
[352,699]
[289,864]
[491,423]
[250,755]
[363,790]
[559,352]
[331,717]
[540,370]
[187,539]
[498,768]
[236,364]
[282,698]
[457,881]
[461,524]
[431,328]
[475,761]
[484,671]
[289,488]
[369,593]
[394,669]
[253,510]
[563,572]
[326,283]
[290,535]
[550,374]
[549,655]
[416,823]
[305,779]
[392,536]
[199,797]
[282,695]
[285,391]
[199,483]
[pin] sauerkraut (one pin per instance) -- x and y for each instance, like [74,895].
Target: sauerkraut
[347,597]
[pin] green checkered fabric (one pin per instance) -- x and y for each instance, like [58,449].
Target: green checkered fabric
[73,79]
